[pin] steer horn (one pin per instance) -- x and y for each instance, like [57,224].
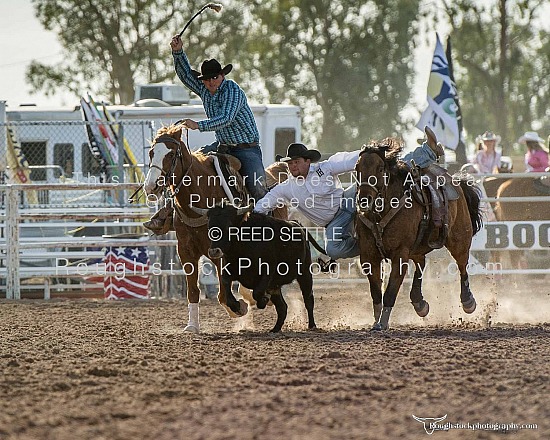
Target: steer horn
[200,211]
[244,209]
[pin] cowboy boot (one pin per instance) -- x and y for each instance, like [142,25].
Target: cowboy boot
[431,139]
[161,222]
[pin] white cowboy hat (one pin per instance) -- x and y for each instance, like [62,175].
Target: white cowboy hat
[490,136]
[531,136]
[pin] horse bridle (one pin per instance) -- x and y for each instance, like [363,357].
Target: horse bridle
[164,139]
[378,192]
[377,227]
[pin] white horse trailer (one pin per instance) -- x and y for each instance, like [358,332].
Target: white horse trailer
[63,148]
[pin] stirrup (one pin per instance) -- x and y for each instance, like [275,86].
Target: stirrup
[327,266]
[439,242]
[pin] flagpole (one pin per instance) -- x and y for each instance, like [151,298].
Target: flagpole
[461,148]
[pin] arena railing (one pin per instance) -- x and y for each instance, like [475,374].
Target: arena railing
[14,217]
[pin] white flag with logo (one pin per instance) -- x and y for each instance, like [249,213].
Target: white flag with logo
[441,114]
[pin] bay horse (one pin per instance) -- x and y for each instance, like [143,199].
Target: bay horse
[191,178]
[387,225]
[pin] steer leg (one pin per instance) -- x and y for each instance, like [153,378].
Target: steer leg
[238,307]
[281,307]
[225,295]
[306,286]
[260,292]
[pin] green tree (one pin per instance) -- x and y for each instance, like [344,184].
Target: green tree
[503,58]
[350,60]
[348,63]
[108,45]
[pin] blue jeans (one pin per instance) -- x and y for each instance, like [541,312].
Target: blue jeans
[423,156]
[340,241]
[252,167]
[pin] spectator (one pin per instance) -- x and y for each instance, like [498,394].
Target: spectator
[487,158]
[536,158]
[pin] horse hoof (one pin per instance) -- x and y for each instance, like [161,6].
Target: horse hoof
[190,328]
[422,308]
[244,307]
[231,313]
[469,306]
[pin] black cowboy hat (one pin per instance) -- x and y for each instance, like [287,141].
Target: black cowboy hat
[294,151]
[212,68]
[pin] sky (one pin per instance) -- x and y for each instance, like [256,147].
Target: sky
[23,39]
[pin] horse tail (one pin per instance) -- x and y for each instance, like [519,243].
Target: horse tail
[472,194]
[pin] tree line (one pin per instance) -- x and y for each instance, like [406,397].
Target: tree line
[347,64]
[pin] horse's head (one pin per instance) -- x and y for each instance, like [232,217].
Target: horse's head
[377,161]
[166,157]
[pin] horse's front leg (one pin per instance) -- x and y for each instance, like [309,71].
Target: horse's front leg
[234,308]
[421,306]
[390,295]
[373,271]
[193,295]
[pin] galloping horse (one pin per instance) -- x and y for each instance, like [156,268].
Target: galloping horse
[390,232]
[192,179]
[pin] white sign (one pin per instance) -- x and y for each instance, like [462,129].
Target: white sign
[513,235]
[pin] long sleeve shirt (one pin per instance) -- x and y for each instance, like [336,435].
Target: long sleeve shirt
[487,162]
[317,196]
[228,112]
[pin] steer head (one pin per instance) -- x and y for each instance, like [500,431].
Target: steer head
[224,221]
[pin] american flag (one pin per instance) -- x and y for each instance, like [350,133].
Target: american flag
[129,265]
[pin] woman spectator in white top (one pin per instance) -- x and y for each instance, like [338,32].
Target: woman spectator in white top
[487,159]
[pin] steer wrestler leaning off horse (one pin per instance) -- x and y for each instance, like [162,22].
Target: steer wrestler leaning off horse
[315,189]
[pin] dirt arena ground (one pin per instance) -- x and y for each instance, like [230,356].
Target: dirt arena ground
[92,369]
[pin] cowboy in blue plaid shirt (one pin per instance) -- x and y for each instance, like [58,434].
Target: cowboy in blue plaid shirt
[229,115]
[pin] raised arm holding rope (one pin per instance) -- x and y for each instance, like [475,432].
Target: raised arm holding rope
[228,115]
